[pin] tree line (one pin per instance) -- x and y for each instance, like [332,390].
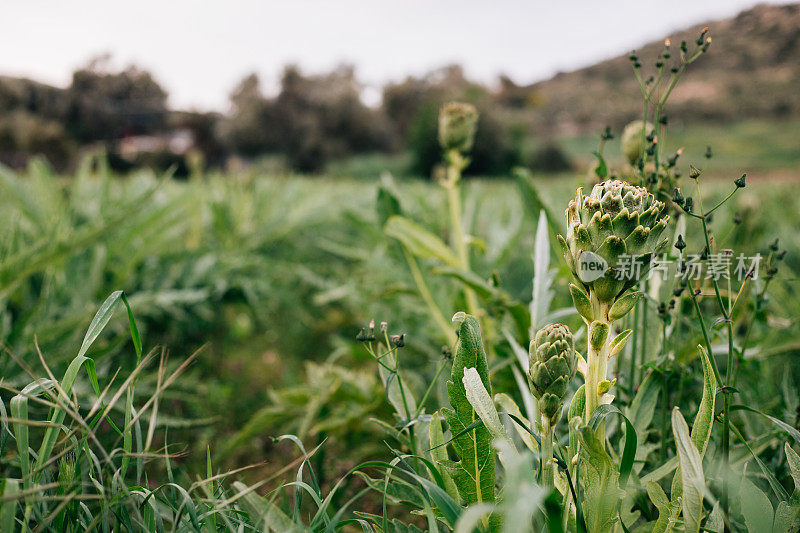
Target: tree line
[311,121]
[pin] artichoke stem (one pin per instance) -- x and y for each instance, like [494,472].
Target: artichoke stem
[596,367]
[548,465]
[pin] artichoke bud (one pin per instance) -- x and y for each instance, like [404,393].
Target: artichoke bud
[612,236]
[632,139]
[552,366]
[457,124]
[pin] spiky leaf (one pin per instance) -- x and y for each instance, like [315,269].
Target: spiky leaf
[474,473]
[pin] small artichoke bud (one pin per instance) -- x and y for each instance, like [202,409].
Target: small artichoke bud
[709,154]
[774,245]
[632,139]
[694,172]
[457,124]
[739,182]
[552,366]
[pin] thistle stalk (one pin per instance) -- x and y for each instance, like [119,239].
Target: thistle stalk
[457,125]
[455,163]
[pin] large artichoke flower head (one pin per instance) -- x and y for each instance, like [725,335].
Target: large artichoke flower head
[612,236]
[552,366]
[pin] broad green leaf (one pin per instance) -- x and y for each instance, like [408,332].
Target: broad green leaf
[388,204]
[439,453]
[420,241]
[715,522]
[576,408]
[600,480]
[534,203]
[474,474]
[629,450]
[703,422]
[660,501]
[787,517]
[756,508]
[481,402]
[542,295]
[519,312]
[794,464]
[691,474]
[506,403]
[641,410]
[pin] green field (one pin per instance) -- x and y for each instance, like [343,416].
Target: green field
[267,280]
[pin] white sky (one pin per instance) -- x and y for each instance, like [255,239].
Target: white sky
[199,49]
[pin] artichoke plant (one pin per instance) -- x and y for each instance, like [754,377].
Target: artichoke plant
[552,366]
[613,234]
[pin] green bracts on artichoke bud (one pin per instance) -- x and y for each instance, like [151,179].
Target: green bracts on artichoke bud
[552,366]
[612,237]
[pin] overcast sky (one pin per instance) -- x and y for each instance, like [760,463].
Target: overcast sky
[200,49]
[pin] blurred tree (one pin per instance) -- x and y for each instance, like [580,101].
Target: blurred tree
[21,94]
[104,105]
[204,129]
[24,134]
[312,120]
[550,158]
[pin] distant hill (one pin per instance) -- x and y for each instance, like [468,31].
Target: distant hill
[751,70]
